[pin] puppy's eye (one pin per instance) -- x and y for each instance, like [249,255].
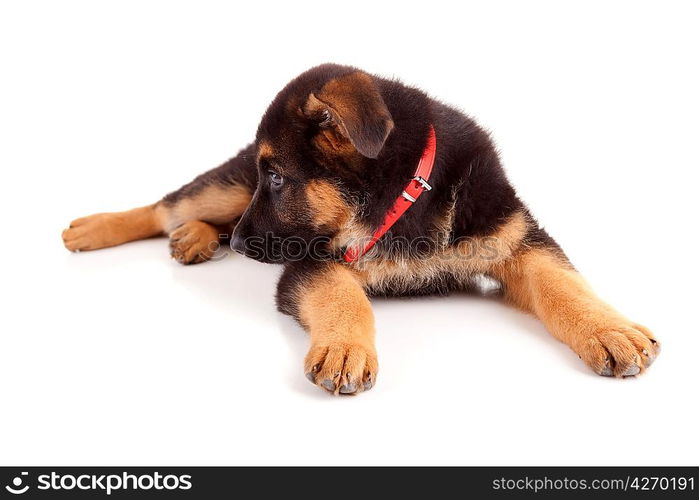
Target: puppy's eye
[275,179]
[327,118]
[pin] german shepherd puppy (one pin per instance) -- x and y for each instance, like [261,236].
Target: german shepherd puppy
[328,167]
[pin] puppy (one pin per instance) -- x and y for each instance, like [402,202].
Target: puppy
[363,186]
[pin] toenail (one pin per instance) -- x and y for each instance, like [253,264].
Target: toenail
[632,370]
[348,389]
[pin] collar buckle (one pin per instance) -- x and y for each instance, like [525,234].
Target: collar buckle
[426,186]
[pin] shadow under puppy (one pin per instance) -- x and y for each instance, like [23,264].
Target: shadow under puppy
[364,186]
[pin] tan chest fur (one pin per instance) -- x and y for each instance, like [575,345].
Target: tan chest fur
[459,261]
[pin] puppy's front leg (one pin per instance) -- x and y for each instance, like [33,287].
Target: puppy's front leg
[330,303]
[541,281]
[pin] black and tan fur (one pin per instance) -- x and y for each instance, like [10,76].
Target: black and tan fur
[333,151]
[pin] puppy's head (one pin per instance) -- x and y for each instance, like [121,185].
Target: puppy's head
[315,141]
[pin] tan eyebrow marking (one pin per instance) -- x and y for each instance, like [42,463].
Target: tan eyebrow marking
[264,150]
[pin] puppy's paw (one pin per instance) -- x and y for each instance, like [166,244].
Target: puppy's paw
[94,232]
[193,242]
[342,368]
[623,350]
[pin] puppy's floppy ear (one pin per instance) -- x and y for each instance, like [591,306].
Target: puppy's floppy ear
[353,105]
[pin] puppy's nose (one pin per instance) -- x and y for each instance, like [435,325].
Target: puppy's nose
[238,243]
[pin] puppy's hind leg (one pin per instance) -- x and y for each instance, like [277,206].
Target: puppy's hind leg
[110,229]
[191,240]
[195,216]
[540,280]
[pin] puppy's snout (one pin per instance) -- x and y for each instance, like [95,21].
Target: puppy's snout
[241,233]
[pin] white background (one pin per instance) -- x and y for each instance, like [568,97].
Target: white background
[122,356]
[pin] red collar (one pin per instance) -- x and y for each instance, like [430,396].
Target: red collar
[417,185]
